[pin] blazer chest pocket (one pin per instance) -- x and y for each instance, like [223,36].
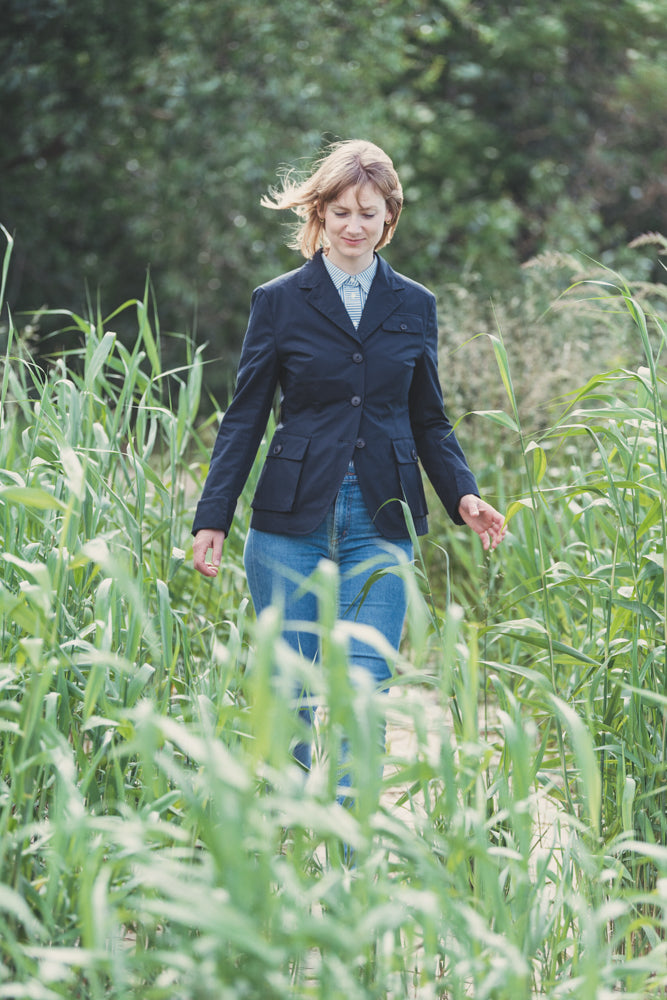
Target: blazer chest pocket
[279,478]
[405,453]
[404,323]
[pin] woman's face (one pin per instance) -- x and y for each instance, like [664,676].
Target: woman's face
[354,223]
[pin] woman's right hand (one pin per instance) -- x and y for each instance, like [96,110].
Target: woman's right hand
[208,540]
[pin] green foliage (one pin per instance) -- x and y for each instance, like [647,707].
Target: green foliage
[146,139]
[156,840]
[595,577]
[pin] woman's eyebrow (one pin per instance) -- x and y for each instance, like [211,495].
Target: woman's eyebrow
[362,208]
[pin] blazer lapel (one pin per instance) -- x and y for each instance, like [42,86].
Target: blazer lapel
[322,294]
[384,298]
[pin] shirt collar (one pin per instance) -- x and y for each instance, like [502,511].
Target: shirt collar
[339,277]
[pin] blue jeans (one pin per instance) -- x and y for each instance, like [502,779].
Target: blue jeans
[278,565]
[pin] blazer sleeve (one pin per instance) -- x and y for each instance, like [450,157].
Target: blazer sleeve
[439,451]
[244,423]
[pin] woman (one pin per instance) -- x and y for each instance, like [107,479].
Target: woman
[352,345]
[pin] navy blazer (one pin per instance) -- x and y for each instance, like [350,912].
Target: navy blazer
[370,394]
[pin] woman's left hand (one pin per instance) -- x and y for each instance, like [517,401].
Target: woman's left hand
[484,519]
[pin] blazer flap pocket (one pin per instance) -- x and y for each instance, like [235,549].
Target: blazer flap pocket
[405,450]
[289,446]
[279,480]
[404,323]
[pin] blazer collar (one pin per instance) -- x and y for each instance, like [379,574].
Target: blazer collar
[384,297]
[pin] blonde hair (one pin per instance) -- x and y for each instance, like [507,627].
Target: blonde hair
[345,164]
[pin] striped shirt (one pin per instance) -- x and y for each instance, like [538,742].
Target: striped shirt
[352,288]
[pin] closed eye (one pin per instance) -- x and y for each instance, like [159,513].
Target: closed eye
[340,214]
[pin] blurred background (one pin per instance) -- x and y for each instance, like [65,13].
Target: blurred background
[138,138]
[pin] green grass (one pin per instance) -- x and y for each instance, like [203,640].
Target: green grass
[155,839]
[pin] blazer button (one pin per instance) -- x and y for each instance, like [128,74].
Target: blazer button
[277,448]
[356,401]
[360,443]
[414,454]
[357,358]
[404,327]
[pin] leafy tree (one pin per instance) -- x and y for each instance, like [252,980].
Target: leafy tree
[144,138]
[74,111]
[520,133]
